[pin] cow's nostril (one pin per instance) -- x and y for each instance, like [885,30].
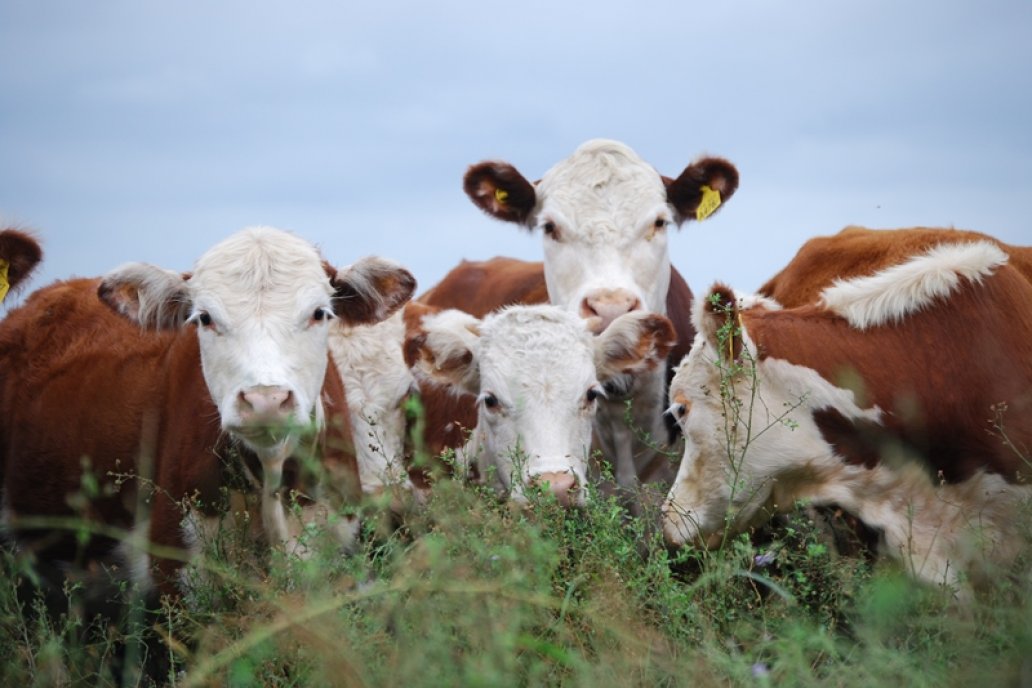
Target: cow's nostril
[562,485]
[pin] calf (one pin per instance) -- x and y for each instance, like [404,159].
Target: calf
[878,398]
[165,375]
[536,373]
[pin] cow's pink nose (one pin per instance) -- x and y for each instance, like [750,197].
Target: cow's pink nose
[562,485]
[266,404]
[603,306]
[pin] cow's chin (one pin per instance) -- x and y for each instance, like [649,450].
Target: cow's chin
[270,442]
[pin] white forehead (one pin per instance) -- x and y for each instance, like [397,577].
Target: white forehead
[535,347]
[603,187]
[261,267]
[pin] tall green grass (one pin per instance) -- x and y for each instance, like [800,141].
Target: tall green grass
[468,591]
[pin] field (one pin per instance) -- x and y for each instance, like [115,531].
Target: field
[467,591]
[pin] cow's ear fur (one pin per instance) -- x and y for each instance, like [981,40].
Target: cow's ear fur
[22,253]
[685,192]
[440,347]
[370,290]
[717,318]
[632,344]
[152,297]
[501,191]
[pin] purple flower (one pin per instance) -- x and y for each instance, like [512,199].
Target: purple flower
[760,670]
[765,559]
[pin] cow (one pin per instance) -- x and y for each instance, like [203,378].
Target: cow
[603,214]
[20,253]
[879,397]
[857,251]
[378,384]
[536,374]
[153,380]
[854,252]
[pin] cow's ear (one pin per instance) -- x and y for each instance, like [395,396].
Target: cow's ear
[501,191]
[150,296]
[21,252]
[702,188]
[441,345]
[634,343]
[370,290]
[717,318]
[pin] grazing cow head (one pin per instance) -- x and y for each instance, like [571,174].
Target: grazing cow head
[537,373]
[603,213]
[261,301]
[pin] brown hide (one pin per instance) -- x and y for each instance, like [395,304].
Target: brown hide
[480,287]
[78,381]
[858,251]
[937,375]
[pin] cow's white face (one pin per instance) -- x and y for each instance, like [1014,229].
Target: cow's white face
[536,399]
[751,441]
[604,215]
[262,301]
[262,305]
[537,373]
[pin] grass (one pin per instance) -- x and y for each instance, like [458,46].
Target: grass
[468,591]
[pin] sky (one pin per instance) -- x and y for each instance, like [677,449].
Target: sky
[134,130]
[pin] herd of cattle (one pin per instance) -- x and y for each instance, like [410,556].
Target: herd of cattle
[888,373]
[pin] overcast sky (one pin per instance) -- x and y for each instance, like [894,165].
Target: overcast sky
[139,130]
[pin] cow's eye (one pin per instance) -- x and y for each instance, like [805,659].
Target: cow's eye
[321,314]
[551,230]
[490,401]
[204,319]
[594,394]
[660,223]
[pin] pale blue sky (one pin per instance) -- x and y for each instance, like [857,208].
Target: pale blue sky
[139,130]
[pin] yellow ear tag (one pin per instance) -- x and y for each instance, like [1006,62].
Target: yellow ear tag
[501,195]
[709,203]
[4,284]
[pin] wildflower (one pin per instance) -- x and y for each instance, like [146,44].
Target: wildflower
[765,559]
[760,670]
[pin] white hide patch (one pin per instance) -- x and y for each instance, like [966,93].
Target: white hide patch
[377,381]
[891,294]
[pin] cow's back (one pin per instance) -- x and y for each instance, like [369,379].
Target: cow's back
[857,251]
[480,287]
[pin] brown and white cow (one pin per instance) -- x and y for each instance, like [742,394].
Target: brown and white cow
[536,374]
[603,214]
[880,398]
[20,253]
[165,374]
